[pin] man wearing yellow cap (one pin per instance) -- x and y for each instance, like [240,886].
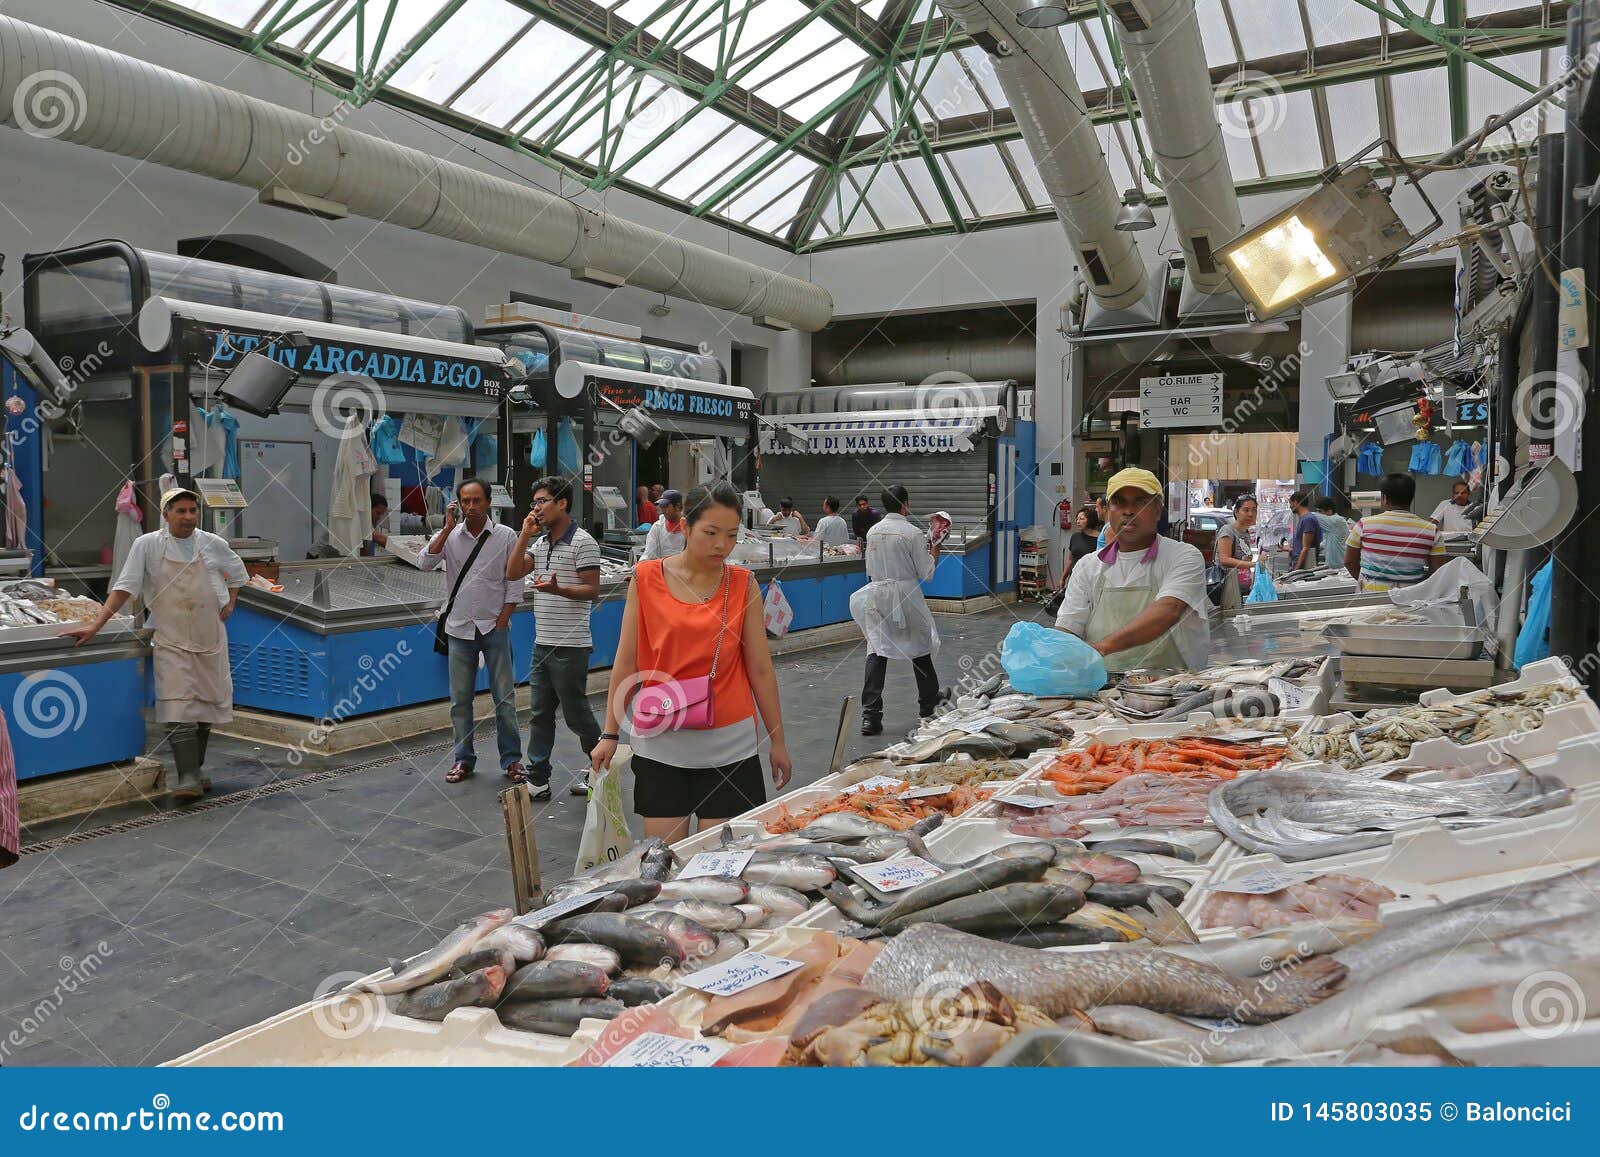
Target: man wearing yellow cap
[189,580]
[1140,601]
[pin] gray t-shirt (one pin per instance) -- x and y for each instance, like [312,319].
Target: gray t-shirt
[1240,539]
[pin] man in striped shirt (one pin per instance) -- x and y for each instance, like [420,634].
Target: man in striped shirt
[1394,548]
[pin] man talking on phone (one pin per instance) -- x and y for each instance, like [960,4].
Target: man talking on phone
[565,563]
[478,622]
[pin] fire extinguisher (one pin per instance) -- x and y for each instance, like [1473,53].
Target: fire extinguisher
[1064,513]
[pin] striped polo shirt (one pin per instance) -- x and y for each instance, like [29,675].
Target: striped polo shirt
[560,621]
[1395,546]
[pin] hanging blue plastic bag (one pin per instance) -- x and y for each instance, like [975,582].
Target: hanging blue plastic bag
[386,449]
[1041,660]
[538,447]
[567,452]
[485,452]
[1533,641]
[1262,589]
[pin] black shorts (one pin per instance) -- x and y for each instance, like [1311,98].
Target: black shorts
[661,791]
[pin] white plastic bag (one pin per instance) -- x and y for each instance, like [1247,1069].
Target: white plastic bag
[605,826]
[1443,588]
[776,611]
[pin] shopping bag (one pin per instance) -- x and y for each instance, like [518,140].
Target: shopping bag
[605,826]
[1041,660]
[776,611]
[1533,641]
[1262,590]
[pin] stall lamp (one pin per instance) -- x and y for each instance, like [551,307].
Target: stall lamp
[1135,214]
[1043,14]
[787,437]
[258,384]
[1344,227]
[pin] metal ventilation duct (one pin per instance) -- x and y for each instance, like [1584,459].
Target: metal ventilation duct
[1037,78]
[983,359]
[125,106]
[1166,64]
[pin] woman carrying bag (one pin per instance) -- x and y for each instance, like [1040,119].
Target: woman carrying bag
[694,649]
[1232,546]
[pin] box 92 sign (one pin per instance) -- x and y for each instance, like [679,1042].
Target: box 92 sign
[1176,400]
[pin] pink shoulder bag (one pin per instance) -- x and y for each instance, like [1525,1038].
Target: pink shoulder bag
[682,704]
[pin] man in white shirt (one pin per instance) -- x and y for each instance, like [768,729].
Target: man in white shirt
[1451,514]
[789,520]
[1141,600]
[189,581]
[666,533]
[831,529]
[892,612]
[478,622]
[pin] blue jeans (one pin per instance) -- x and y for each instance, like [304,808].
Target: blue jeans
[496,650]
[559,677]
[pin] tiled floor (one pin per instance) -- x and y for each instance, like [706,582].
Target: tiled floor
[136,947]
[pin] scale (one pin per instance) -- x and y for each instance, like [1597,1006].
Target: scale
[616,507]
[753,506]
[221,497]
[500,498]
[1538,510]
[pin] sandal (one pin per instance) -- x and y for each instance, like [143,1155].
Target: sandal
[515,773]
[457,773]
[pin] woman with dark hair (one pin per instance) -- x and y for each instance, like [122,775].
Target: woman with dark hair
[694,679]
[1085,532]
[1233,543]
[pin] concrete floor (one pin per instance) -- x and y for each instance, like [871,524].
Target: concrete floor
[133,947]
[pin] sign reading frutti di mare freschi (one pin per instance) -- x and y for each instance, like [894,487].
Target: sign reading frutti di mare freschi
[909,441]
[324,358]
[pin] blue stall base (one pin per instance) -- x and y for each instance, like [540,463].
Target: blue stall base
[77,716]
[960,576]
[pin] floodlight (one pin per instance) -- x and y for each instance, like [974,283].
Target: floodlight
[258,384]
[1043,13]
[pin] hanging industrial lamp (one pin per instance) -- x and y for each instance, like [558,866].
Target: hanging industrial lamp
[1043,13]
[1135,213]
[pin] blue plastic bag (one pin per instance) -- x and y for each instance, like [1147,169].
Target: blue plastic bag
[538,447]
[386,450]
[1533,641]
[1262,590]
[1041,660]
[567,452]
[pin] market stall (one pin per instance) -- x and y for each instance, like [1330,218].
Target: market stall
[956,447]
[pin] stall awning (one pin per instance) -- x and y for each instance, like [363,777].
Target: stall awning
[883,432]
[1231,456]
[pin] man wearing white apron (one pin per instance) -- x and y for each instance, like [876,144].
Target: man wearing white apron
[892,612]
[1141,600]
[189,580]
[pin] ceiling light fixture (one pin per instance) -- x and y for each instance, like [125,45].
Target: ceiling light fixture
[1043,14]
[1135,214]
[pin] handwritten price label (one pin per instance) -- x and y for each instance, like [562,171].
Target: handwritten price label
[1028,801]
[979,725]
[542,916]
[743,971]
[656,1050]
[715,864]
[927,792]
[1288,695]
[895,875]
[873,784]
[1266,880]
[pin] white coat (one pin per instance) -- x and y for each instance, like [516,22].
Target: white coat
[891,610]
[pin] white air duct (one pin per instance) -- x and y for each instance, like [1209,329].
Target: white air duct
[1037,78]
[983,359]
[1166,64]
[125,106]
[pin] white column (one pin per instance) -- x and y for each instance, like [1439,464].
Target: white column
[1057,402]
[1324,347]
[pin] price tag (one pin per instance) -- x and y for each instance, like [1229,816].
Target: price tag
[1289,696]
[980,724]
[877,781]
[729,863]
[925,792]
[740,972]
[542,916]
[895,875]
[1029,801]
[1245,737]
[1265,880]
[656,1050]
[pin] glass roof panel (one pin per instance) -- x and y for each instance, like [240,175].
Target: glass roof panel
[448,58]
[889,197]
[235,12]
[1030,173]
[1353,116]
[986,179]
[528,72]
[981,69]
[408,19]
[1477,8]
[679,146]
[913,172]
[1236,139]
[949,92]
[1268,27]
[1338,21]
[1286,130]
[1214,33]
[1421,102]
[1081,54]
[720,162]
[804,91]
[1488,94]
[755,195]
[779,216]
[1117,146]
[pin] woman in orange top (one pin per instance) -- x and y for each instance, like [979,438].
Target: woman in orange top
[685,615]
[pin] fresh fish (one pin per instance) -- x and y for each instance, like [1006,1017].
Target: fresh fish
[524,944]
[695,940]
[1486,916]
[803,873]
[634,891]
[554,979]
[1159,923]
[1017,849]
[1025,738]
[868,851]
[926,824]
[1348,1017]
[950,886]
[729,945]
[659,861]
[636,990]
[437,1001]
[629,866]
[558,1017]
[716,889]
[1059,936]
[1106,869]
[596,954]
[780,902]
[1134,895]
[1255,955]
[436,963]
[636,941]
[707,913]
[1003,909]
[1198,842]
[481,957]
[1059,983]
[842,827]
[1147,847]
[755,916]
[609,902]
